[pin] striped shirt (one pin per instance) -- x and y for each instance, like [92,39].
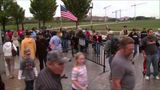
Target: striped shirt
[47,80]
[80,75]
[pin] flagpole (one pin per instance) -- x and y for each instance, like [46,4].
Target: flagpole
[60,22]
[60,18]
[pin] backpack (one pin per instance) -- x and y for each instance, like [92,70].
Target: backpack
[114,45]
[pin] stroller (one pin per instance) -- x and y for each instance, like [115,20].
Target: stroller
[145,66]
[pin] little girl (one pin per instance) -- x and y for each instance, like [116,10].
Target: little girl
[79,73]
[28,71]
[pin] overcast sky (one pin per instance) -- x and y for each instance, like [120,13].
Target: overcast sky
[148,8]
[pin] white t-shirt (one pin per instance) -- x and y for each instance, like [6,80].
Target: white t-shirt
[7,48]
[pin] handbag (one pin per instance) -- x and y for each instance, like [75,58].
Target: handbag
[14,53]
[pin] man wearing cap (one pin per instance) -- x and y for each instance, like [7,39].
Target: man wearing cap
[50,77]
[30,43]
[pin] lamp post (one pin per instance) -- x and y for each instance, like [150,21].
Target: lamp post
[91,22]
[105,8]
[159,9]
[135,5]
[116,12]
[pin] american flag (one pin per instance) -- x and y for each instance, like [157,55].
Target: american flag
[67,14]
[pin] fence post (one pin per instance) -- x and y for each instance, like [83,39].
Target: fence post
[2,63]
[104,58]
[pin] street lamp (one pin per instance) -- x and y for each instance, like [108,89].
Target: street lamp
[159,9]
[91,22]
[135,5]
[105,8]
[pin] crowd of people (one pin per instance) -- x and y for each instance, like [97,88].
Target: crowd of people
[49,47]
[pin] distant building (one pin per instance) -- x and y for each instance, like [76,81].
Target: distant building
[124,18]
[94,18]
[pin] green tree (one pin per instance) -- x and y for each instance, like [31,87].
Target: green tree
[78,7]
[17,13]
[43,10]
[4,12]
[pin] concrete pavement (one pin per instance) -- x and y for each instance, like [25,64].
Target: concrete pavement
[97,79]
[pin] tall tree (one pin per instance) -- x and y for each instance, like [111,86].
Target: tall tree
[4,12]
[43,10]
[78,7]
[17,13]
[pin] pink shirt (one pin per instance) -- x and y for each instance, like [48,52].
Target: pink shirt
[79,73]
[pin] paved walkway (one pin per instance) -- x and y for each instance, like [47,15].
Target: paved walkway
[97,79]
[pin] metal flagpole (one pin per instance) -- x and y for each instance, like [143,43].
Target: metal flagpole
[60,18]
[159,9]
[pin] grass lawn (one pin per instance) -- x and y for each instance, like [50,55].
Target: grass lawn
[154,24]
[49,25]
[116,26]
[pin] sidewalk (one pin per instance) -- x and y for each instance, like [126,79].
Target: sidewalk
[97,79]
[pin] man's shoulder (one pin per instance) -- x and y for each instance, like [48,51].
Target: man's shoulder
[43,71]
[117,60]
[54,37]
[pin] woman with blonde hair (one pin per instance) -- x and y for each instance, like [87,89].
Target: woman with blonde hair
[79,73]
[15,41]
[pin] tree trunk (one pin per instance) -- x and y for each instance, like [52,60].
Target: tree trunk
[77,24]
[22,26]
[4,30]
[39,24]
[44,23]
[4,27]
[17,25]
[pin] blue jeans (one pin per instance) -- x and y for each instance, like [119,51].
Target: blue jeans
[110,59]
[97,48]
[152,59]
[159,53]
[29,85]
[65,45]
[136,49]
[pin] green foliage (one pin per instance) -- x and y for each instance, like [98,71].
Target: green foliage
[43,10]
[4,12]
[78,7]
[17,13]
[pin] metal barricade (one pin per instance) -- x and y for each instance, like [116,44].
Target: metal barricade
[94,52]
[2,63]
[97,55]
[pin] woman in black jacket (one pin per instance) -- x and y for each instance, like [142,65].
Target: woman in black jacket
[41,53]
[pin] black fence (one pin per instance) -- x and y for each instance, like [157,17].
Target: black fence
[97,55]
[94,52]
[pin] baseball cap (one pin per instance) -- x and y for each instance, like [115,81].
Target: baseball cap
[57,56]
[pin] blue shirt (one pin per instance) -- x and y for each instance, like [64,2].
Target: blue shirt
[56,41]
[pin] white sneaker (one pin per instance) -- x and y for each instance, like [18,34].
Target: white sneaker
[147,77]
[157,77]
